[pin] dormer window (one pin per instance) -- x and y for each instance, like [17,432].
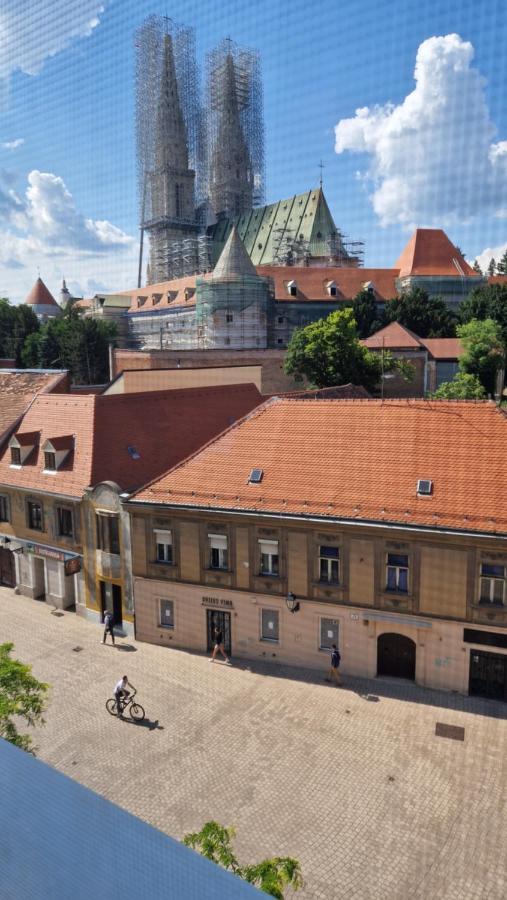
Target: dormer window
[369,287]
[332,288]
[156,298]
[141,301]
[292,288]
[21,445]
[56,450]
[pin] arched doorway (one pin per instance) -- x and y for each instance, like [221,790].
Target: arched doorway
[396,656]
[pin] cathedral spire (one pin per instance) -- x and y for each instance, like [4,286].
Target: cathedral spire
[171,148]
[231,181]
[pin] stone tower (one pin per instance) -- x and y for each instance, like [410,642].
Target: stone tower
[171,183]
[231,178]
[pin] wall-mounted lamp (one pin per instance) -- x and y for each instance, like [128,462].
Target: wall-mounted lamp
[292,603]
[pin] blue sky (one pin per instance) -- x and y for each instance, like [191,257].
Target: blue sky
[67,165]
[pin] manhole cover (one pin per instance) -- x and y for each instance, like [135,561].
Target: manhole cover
[77,649]
[455,732]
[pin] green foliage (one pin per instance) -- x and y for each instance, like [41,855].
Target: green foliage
[21,696]
[484,351]
[366,313]
[462,387]
[72,342]
[501,268]
[272,876]
[328,352]
[492,266]
[16,324]
[476,267]
[426,316]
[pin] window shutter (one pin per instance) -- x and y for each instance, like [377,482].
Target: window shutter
[218,541]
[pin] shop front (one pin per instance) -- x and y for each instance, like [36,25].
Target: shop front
[48,573]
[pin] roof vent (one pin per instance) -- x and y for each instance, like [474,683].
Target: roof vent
[424,488]
[255,476]
[133,453]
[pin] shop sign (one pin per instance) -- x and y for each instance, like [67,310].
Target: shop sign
[72,566]
[49,552]
[217,601]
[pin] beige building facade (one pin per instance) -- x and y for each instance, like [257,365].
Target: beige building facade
[398,603]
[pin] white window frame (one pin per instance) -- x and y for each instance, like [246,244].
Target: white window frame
[164,538]
[265,638]
[329,560]
[269,549]
[331,640]
[493,580]
[161,623]
[398,569]
[220,544]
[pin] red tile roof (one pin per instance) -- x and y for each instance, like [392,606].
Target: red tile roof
[312,282]
[40,295]
[339,391]
[443,348]
[430,252]
[160,428]
[497,279]
[18,389]
[393,336]
[354,459]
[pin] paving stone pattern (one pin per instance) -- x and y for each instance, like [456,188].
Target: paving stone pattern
[353,781]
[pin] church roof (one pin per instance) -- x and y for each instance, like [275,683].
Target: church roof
[304,217]
[234,260]
[393,336]
[40,295]
[430,252]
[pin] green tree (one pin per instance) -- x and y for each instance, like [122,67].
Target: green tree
[21,696]
[366,313]
[72,342]
[462,387]
[16,324]
[487,302]
[328,352]
[426,316]
[501,268]
[272,876]
[484,351]
[492,266]
[476,267]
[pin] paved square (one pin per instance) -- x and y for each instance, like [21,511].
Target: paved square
[354,782]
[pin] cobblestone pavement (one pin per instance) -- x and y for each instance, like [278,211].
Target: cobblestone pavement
[352,781]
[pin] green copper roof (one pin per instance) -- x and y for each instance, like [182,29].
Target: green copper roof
[305,217]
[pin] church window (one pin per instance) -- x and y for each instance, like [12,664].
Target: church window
[177,189]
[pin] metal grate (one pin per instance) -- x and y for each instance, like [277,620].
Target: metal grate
[455,732]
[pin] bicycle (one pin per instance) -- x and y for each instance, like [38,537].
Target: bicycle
[136,711]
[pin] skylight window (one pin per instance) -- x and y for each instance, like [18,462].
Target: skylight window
[424,487]
[255,476]
[133,453]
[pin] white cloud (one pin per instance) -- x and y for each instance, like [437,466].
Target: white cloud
[12,145]
[432,160]
[28,36]
[490,253]
[44,230]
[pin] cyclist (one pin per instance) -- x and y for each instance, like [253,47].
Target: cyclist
[121,693]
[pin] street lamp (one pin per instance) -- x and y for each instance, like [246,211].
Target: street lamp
[292,604]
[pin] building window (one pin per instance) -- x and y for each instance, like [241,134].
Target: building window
[108,533]
[218,554]
[269,625]
[397,572]
[164,543]
[167,613]
[229,318]
[49,461]
[328,633]
[281,320]
[269,557]
[293,290]
[492,584]
[279,341]
[64,521]
[15,456]
[4,508]
[329,564]
[34,515]
[177,198]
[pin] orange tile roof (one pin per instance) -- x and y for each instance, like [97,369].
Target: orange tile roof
[312,282]
[161,428]
[393,336]
[358,460]
[497,279]
[18,389]
[430,252]
[443,348]
[40,295]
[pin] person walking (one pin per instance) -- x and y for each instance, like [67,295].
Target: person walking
[108,626]
[218,640]
[333,674]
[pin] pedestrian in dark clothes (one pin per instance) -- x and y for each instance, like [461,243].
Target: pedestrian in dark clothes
[333,674]
[108,626]
[218,640]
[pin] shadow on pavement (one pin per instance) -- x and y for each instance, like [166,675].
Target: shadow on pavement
[150,724]
[127,648]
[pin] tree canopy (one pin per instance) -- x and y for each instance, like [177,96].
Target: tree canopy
[502,265]
[16,324]
[272,876]
[366,313]
[22,696]
[487,302]
[484,351]
[462,387]
[72,342]
[426,316]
